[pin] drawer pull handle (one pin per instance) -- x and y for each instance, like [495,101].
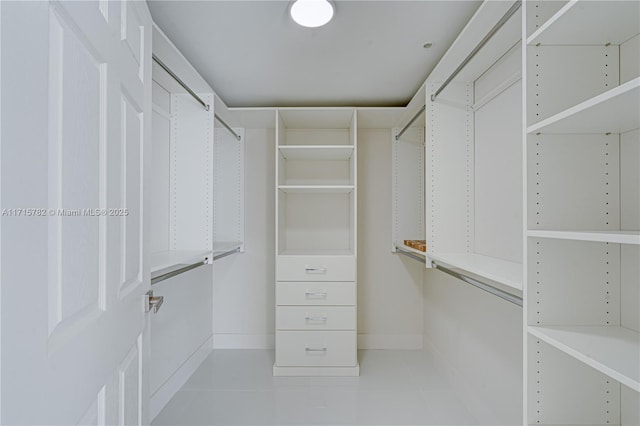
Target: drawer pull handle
[316,319]
[308,349]
[313,270]
[322,295]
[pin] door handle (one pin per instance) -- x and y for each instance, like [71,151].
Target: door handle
[153,302]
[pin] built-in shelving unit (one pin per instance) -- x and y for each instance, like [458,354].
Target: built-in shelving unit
[197,169]
[316,243]
[407,178]
[474,216]
[582,137]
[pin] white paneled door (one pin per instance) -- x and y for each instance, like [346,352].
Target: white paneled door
[75,128]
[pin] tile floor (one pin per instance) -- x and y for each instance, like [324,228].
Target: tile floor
[236,387]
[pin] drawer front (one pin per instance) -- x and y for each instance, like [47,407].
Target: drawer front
[320,294]
[315,268]
[315,318]
[316,348]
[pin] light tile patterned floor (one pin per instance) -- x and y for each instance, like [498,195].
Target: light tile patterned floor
[236,387]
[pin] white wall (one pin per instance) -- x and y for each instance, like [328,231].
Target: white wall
[477,338]
[244,284]
[390,289]
[389,285]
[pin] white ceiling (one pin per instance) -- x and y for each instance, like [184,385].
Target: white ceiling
[370,54]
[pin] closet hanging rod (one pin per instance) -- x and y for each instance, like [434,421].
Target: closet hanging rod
[411,255]
[226,126]
[229,253]
[415,117]
[156,280]
[480,45]
[516,300]
[180,82]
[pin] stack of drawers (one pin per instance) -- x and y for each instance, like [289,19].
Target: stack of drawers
[316,315]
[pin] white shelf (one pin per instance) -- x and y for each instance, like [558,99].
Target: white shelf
[614,351]
[316,152]
[316,189]
[316,252]
[617,237]
[410,250]
[616,111]
[167,259]
[494,269]
[585,22]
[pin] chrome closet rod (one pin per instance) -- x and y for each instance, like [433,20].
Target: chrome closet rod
[516,300]
[415,117]
[480,45]
[229,253]
[226,126]
[411,255]
[156,280]
[180,82]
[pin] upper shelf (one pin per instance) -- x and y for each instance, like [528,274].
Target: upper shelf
[614,351]
[316,152]
[616,111]
[616,237]
[494,269]
[584,22]
[316,118]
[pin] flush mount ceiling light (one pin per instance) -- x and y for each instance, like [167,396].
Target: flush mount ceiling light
[311,13]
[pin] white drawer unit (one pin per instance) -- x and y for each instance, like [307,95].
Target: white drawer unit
[315,318]
[315,293]
[316,268]
[316,242]
[316,349]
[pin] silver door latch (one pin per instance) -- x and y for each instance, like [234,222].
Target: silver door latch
[153,302]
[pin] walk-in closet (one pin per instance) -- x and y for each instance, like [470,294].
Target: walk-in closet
[320,212]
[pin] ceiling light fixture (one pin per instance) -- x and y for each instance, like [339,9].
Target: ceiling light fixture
[311,13]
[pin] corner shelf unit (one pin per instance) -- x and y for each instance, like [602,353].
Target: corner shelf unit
[582,160]
[197,170]
[407,179]
[316,242]
[474,187]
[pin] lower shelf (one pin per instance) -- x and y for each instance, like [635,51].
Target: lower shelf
[614,351]
[492,268]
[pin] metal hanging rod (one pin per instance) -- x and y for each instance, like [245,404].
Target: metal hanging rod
[415,117]
[229,253]
[156,280]
[480,45]
[180,82]
[516,300]
[411,255]
[226,126]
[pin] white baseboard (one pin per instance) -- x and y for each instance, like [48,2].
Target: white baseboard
[478,409]
[243,341]
[173,384]
[365,341]
[390,341]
